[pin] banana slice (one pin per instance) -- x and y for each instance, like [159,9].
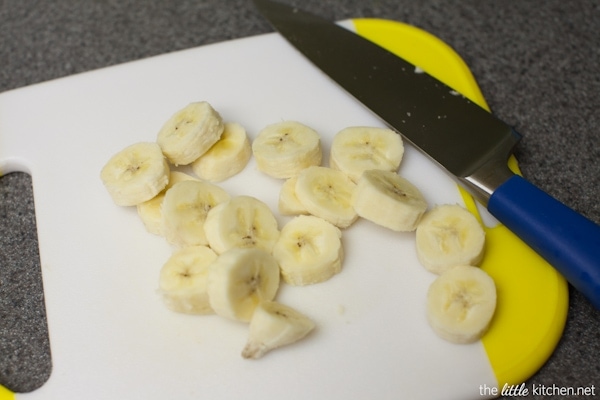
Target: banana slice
[360,148]
[461,303]
[239,280]
[288,201]
[449,235]
[283,149]
[184,210]
[190,132]
[327,193]
[309,250]
[150,211]
[225,158]
[389,200]
[243,221]
[274,325]
[183,281]
[135,174]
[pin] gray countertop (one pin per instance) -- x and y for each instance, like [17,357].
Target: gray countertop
[536,61]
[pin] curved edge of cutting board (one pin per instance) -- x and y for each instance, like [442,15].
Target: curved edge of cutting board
[532,296]
[6,394]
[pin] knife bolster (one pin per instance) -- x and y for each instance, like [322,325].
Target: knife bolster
[483,182]
[492,170]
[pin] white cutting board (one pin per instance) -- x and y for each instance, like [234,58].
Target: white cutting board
[112,338]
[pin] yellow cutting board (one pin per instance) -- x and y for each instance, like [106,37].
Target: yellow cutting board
[110,335]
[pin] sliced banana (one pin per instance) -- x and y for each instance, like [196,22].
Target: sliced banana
[449,235]
[283,149]
[243,221]
[190,132]
[389,200]
[183,281]
[361,148]
[239,280]
[461,303]
[184,210]
[150,211]
[327,193]
[274,325]
[309,250]
[288,203]
[135,174]
[226,157]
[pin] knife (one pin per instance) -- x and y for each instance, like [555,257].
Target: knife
[457,134]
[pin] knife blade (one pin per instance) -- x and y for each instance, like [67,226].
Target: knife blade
[466,140]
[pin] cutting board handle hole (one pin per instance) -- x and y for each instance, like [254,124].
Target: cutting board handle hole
[25,360]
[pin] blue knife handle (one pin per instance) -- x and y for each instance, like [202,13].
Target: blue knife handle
[567,240]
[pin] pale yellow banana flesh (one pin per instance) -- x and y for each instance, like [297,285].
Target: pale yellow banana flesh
[359,148]
[183,281]
[274,325]
[226,157]
[185,208]
[239,280]
[243,221]
[150,211]
[283,149]
[389,200]
[288,203]
[461,303]
[449,235]
[190,132]
[327,193]
[309,250]
[135,174]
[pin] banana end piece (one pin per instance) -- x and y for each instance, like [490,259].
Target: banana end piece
[274,325]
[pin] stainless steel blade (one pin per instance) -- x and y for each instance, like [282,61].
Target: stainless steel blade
[462,137]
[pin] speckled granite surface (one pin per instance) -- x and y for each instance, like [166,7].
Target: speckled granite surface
[536,62]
